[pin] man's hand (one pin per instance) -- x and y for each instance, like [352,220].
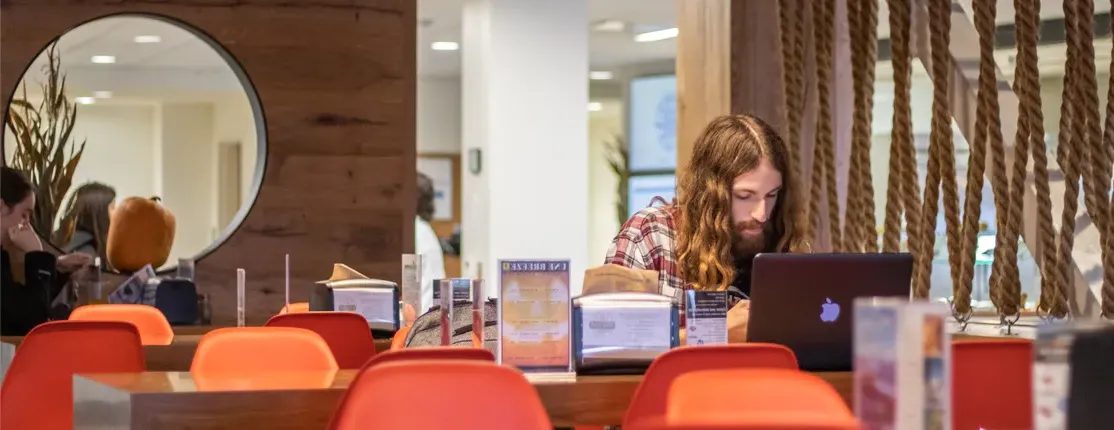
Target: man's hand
[738,318]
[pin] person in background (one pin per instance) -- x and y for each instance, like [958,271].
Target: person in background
[426,242]
[84,227]
[24,304]
[736,198]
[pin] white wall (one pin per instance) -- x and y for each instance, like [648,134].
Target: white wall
[439,116]
[603,223]
[439,125]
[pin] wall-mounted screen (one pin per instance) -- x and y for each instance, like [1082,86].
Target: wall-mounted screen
[653,123]
[643,189]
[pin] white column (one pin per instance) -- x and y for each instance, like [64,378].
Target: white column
[524,108]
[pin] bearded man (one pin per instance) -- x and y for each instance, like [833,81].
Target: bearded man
[736,198]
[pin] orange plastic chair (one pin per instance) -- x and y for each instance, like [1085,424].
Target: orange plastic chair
[398,341]
[752,399]
[293,308]
[429,394]
[992,384]
[346,333]
[262,349]
[432,353]
[38,390]
[153,327]
[650,398]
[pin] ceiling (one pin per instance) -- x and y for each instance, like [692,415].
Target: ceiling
[182,66]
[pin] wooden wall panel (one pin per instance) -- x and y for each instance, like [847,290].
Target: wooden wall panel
[336,83]
[703,69]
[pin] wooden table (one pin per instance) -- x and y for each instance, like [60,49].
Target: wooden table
[177,356]
[179,400]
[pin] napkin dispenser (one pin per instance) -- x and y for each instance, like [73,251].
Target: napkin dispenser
[377,300]
[622,332]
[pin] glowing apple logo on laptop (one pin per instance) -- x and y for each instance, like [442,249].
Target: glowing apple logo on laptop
[830,311]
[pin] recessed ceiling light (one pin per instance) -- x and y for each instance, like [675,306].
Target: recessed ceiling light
[654,36]
[102,94]
[85,100]
[445,46]
[595,106]
[609,26]
[103,59]
[147,38]
[600,75]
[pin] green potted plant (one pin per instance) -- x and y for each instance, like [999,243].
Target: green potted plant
[618,158]
[45,150]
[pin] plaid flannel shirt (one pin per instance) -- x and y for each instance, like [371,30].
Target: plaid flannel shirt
[646,242]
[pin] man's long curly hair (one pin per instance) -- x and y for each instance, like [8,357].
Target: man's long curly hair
[728,147]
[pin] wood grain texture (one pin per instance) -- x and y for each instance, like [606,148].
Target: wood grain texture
[161,400]
[335,81]
[703,69]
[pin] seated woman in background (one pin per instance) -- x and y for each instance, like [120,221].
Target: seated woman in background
[24,304]
[84,227]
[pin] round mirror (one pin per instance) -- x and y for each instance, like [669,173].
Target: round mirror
[136,106]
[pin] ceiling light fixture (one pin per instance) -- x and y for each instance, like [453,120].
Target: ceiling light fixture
[444,46]
[654,36]
[609,26]
[103,59]
[85,100]
[600,75]
[102,94]
[147,38]
[595,106]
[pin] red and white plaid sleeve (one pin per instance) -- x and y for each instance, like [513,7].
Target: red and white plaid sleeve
[646,242]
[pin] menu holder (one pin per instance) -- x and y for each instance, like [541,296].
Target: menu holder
[902,364]
[240,296]
[412,287]
[705,317]
[1059,381]
[534,314]
[374,299]
[623,332]
[479,299]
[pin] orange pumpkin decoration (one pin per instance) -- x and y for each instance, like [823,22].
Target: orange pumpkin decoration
[141,232]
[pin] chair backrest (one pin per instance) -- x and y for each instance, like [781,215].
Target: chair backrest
[458,394]
[650,397]
[433,353]
[153,327]
[346,333]
[992,384]
[293,308]
[757,398]
[262,349]
[398,341]
[37,392]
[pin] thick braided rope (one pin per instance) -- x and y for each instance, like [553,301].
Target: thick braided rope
[826,139]
[798,63]
[1108,243]
[1087,91]
[790,79]
[976,164]
[1097,181]
[908,190]
[1028,28]
[860,233]
[851,236]
[941,158]
[868,228]
[1068,157]
[820,38]
[902,126]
